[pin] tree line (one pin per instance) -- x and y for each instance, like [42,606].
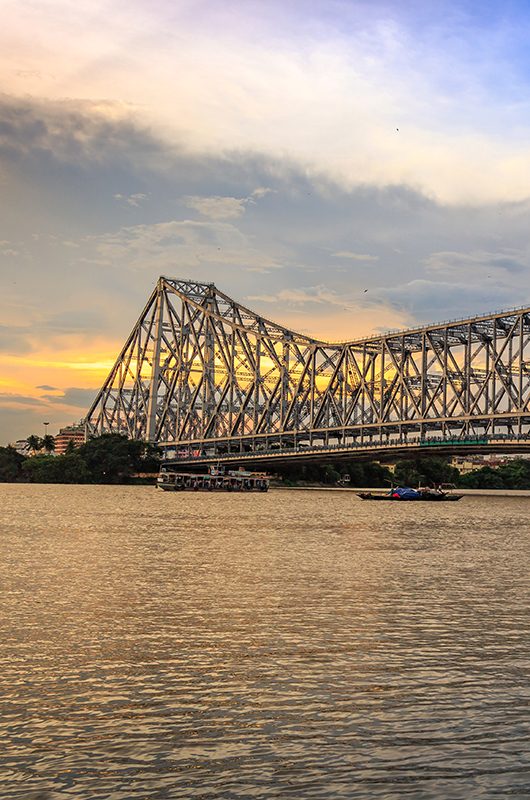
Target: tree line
[111,458]
[411,472]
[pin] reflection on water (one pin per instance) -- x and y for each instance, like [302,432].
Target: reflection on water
[293,644]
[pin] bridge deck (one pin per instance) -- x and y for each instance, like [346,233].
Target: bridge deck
[414,448]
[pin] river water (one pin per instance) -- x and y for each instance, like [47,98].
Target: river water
[288,645]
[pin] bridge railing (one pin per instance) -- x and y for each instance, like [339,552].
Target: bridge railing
[412,442]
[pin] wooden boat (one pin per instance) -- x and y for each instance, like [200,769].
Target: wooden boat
[215,480]
[402,494]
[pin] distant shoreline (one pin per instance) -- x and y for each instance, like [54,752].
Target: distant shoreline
[470,492]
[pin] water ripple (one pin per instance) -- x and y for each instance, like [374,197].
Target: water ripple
[294,644]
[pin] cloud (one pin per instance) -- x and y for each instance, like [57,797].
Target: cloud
[73,396]
[368,94]
[134,200]
[300,297]
[479,264]
[20,421]
[47,388]
[261,191]
[217,207]
[47,328]
[355,256]
[436,301]
[15,339]
[10,398]
[73,321]
[80,398]
[67,130]
[182,245]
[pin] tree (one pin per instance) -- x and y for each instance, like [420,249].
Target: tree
[34,443]
[38,469]
[425,472]
[10,465]
[60,469]
[48,443]
[113,458]
[330,474]
[516,474]
[376,475]
[485,478]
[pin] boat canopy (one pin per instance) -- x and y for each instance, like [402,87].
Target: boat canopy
[405,493]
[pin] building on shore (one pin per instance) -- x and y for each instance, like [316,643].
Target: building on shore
[72,433]
[466,464]
[21,446]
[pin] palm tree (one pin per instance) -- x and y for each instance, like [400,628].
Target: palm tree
[35,443]
[48,443]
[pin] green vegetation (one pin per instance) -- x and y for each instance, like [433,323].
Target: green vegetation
[10,465]
[514,475]
[421,471]
[414,472]
[48,443]
[425,472]
[56,469]
[36,443]
[111,458]
[362,473]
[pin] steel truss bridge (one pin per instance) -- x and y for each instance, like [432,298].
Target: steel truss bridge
[209,380]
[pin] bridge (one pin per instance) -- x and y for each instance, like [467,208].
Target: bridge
[208,380]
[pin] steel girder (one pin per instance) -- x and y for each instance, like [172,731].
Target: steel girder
[202,372]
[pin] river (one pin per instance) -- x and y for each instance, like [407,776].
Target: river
[288,645]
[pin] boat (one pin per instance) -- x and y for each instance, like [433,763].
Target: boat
[406,494]
[215,480]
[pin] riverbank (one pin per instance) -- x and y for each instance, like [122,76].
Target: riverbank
[355,489]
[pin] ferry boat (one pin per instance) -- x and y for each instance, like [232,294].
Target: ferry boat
[215,480]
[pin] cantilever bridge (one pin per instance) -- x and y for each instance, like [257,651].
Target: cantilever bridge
[209,380]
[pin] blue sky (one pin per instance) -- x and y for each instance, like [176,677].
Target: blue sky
[342,167]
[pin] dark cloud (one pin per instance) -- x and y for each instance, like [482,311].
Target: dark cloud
[73,397]
[476,262]
[47,388]
[435,301]
[7,398]
[77,131]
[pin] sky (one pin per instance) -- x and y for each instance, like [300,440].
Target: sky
[343,168]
